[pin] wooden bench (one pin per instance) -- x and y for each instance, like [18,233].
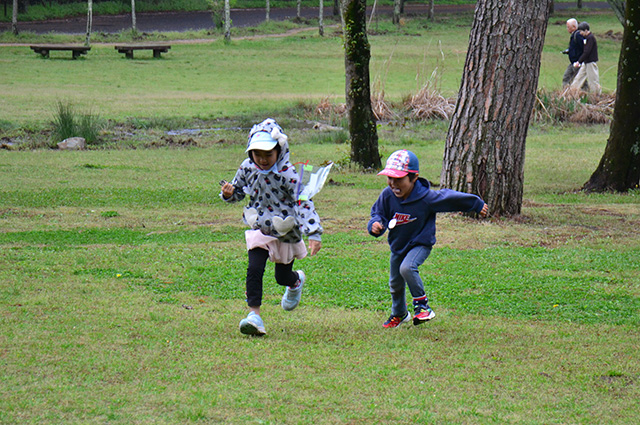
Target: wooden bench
[76,50]
[128,49]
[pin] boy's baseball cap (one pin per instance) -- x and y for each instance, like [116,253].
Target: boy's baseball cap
[261,141]
[401,163]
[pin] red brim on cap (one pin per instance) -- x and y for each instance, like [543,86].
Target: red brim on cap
[396,174]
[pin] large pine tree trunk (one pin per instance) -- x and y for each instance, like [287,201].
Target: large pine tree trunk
[357,54]
[619,168]
[485,146]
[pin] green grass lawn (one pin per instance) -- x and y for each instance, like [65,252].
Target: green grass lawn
[122,273]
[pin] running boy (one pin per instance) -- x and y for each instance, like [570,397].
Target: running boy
[408,209]
[276,218]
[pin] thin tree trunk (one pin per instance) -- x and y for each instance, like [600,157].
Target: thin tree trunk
[336,7]
[619,168]
[227,21]
[357,54]
[321,19]
[485,145]
[87,41]
[14,17]
[298,6]
[430,12]
[268,9]
[134,26]
[396,12]
[579,4]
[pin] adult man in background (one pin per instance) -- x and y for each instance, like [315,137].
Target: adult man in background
[576,45]
[587,63]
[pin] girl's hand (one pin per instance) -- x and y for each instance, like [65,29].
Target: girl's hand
[314,247]
[227,190]
[377,228]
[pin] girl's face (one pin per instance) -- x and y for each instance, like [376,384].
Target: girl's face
[265,159]
[401,187]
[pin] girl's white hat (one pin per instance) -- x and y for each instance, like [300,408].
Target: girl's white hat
[266,135]
[261,141]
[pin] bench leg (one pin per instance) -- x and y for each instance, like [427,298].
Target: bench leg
[45,54]
[129,54]
[156,53]
[75,54]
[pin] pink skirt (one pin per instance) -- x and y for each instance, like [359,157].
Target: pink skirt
[279,252]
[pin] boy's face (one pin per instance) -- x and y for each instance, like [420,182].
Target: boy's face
[403,186]
[264,159]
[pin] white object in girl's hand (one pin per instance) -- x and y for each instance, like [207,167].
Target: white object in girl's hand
[392,223]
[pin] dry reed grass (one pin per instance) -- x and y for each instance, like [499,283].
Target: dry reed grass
[574,106]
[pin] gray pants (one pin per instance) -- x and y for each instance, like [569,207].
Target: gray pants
[569,75]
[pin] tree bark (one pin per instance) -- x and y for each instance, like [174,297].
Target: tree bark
[619,168]
[87,41]
[357,54]
[321,18]
[134,25]
[430,12]
[268,10]
[396,12]
[14,18]
[485,145]
[227,21]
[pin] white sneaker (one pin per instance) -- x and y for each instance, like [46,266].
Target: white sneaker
[252,325]
[292,296]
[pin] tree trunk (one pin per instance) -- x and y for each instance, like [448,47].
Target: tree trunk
[336,7]
[268,9]
[227,21]
[357,54]
[134,26]
[298,6]
[321,19]
[87,41]
[619,168]
[579,4]
[430,13]
[14,18]
[396,12]
[485,146]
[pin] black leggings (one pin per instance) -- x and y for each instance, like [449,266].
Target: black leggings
[258,257]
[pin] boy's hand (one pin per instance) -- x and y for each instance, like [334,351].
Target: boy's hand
[377,228]
[314,247]
[227,190]
[485,211]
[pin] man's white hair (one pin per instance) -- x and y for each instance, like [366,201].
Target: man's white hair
[573,22]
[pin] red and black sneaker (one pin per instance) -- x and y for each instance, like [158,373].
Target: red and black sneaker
[395,321]
[423,314]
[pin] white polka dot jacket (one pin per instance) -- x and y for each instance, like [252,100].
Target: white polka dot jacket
[273,206]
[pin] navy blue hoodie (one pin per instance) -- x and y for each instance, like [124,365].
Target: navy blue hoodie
[416,215]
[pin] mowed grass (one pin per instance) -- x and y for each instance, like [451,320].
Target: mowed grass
[122,282]
[122,273]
